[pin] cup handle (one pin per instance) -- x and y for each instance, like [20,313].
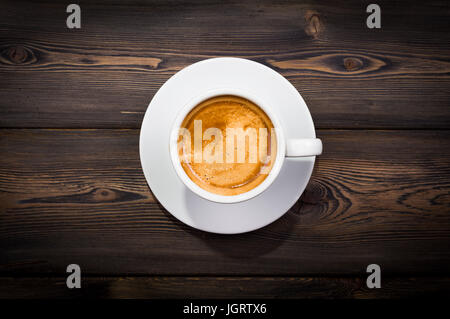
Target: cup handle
[300,147]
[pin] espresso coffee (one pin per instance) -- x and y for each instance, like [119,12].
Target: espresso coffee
[229,145]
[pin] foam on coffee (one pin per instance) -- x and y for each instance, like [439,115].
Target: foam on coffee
[222,112]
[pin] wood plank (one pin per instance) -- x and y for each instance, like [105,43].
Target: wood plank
[223,287]
[105,74]
[79,196]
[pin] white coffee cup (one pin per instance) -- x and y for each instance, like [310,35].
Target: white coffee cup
[300,147]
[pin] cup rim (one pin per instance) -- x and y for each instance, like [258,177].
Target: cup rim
[173,147]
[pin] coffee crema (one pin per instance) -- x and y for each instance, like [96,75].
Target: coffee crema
[224,176]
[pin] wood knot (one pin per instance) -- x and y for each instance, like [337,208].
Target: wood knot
[314,24]
[17,55]
[352,64]
[98,195]
[103,195]
[313,203]
[314,193]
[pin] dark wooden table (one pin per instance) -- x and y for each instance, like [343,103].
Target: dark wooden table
[72,189]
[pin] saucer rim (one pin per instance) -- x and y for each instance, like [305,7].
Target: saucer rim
[146,170]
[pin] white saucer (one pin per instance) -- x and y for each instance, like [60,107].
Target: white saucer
[154,145]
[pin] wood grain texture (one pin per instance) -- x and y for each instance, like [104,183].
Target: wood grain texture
[104,74]
[76,194]
[79,196]
[223,287]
